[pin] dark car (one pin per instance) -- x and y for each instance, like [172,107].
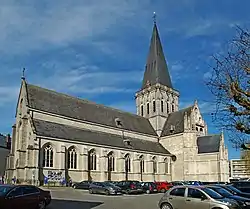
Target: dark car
[243,186]
[149,187]
[235,191]
[82,185]
[104,188]
[242,201]
[23,197]
[130,187]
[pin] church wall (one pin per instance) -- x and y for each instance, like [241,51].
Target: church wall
[101,174]
[94,127]
[175,143]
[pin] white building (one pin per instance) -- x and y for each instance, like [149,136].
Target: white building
[59,136]
[239,168]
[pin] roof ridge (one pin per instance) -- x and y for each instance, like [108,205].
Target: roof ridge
[86,101]
[181,110]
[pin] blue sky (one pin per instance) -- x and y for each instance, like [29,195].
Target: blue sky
[98,50]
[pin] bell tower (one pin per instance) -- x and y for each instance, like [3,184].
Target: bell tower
[157,98]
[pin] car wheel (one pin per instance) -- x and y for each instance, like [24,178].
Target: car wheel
[74,186]
[106,192]
[163,190]
[41,204]
[90,191]
[166,206]
[148,191]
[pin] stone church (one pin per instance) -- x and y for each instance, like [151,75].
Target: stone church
[57,136]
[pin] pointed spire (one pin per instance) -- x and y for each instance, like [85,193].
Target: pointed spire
[156,70]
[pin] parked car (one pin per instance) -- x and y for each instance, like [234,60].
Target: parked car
[177,183]
[242,201]
[235,191]
[243,186]
[188,196]
[104,188]
[163,186]
[149,187]
[130,187]
[82,185]
[23,197]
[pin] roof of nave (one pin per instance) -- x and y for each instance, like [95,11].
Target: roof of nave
[55,130]
[61,104]
[176,119]
[208,144]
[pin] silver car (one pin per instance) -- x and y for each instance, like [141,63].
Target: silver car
[195,197]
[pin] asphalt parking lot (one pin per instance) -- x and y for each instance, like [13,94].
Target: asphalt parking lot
[70,198]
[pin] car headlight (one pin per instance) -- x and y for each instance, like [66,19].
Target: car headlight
[111,189]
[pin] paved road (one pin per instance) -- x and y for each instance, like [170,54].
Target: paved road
[68,198]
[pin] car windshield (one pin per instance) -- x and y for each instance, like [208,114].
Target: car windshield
[233,189]
[222,191]
[4,190]
[212,193]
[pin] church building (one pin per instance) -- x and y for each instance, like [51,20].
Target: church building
[57,136]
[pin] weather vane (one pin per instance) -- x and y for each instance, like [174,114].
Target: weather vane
[154,17]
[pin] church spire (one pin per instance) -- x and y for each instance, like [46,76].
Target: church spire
[156,70]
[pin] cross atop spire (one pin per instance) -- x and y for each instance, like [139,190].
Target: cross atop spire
[23,74]
[154,17]
[156,70]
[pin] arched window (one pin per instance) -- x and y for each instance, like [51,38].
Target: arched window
[141,164]
[72,158]
[162,106]
[147,108]
[127,163]
[154,106]
[48,156]
[141,110]
[111,161]
[167,171]
[154,165]
[92,160]
[168,110]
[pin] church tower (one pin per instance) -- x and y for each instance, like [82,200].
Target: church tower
[157,97]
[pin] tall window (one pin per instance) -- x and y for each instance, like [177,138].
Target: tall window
[141,110]
[154,106]
[127,163]
[173,108]
[147,108]
[168,108]
[111,162]
[166,166]
[48,156]
[154,165]
[72,158]
[162,106]
[21,107]
[92,160]
[141,164]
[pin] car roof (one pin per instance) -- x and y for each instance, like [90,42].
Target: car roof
[8,185]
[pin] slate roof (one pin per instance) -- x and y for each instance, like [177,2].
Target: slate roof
[49,129]
[208,144]
[176,119]
[156,67]
[61,104]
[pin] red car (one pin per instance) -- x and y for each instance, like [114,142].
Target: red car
[163,186]
[23,197]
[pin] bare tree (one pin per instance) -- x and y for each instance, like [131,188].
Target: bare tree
[230,84]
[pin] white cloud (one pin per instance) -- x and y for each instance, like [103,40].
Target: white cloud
[89,80]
